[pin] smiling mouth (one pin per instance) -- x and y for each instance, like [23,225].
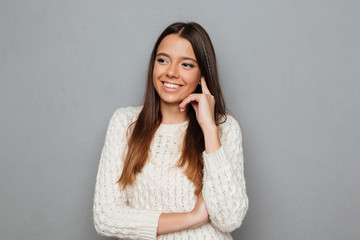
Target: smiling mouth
[171,85]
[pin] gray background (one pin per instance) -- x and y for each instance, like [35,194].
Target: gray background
[289,71]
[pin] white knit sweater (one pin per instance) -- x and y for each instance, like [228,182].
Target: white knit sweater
[162,187]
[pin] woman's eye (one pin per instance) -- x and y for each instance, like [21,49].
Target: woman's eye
[160,60]
[188,65]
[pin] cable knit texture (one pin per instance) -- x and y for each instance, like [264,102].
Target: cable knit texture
[162,187]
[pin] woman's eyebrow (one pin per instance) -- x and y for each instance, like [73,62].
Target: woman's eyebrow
[189,58]
[167,55]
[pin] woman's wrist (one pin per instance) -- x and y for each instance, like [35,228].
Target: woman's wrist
[211,138]
[196,220]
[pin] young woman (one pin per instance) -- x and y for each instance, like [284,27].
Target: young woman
[173,168]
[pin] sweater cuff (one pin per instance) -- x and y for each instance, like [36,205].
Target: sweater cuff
[150,225]
[215,160]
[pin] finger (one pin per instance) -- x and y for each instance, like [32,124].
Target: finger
[186,101]
[204,87]
[190,98]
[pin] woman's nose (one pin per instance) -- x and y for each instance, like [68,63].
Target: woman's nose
[172,71]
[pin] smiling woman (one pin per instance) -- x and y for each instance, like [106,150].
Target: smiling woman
[173,168]
[176,73]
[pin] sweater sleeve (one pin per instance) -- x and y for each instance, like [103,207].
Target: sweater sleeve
[112,216]
[224,188]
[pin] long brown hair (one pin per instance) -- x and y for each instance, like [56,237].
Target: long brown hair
[150,116]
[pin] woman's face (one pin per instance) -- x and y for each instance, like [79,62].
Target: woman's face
[176,72]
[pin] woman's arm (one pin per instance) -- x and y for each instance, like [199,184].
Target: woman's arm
[224,183]
[174,222]
[112,216]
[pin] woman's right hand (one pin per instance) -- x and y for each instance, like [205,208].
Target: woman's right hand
[199,213]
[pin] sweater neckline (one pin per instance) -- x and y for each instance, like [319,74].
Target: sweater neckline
[171,128]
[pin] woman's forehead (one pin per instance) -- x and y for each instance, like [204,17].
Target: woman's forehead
[175,45]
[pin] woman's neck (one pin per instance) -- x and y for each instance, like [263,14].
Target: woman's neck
[171,114]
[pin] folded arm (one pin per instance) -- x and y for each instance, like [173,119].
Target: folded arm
[112,216]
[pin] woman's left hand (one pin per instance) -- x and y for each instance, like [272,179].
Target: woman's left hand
[203,104]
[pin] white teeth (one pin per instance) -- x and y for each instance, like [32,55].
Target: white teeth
[170,85]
